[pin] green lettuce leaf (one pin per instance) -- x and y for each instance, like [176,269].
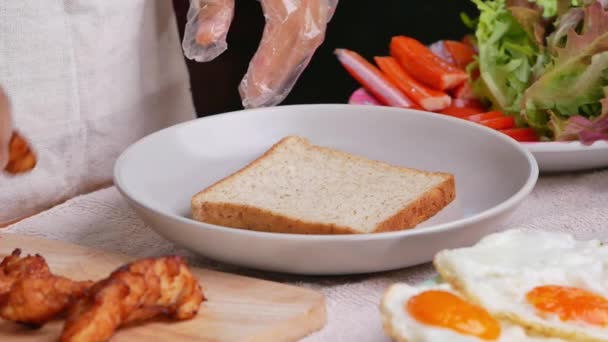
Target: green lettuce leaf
[604,103]
[570,20]
[531,21]
[588,2]
[579,127]
[549,7]
[572,90]
[573,83]
[592,39]
[507,55]
[562,127]
[553,8]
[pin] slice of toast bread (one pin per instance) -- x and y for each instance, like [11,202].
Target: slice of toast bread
[297,187]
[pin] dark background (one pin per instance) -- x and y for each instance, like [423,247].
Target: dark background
[365,26]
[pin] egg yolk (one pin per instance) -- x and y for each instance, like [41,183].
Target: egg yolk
[447,310]
[570,304]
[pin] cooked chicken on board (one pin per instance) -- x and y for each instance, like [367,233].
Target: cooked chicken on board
[14,267]
[143,290]
[36,300]
[31,294]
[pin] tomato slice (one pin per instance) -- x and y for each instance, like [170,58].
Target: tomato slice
[456,102]
[461,53]
[464,91]
[521,134]
[499,123]
[461,112]
[485,116]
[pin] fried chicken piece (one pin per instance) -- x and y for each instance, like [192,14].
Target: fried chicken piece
[142,290]
[14,267]
[16,156]
[21,157]
[35,300]
[30,293]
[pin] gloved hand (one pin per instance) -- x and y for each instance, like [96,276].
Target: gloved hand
[294,30]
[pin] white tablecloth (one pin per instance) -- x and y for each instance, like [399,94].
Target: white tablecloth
[575,203]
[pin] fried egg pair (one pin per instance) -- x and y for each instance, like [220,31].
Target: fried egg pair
[438,313]
[549,283]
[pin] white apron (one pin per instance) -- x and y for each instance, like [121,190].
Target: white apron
[86,78]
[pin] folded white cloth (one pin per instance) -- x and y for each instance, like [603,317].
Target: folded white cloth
[80,95]
[570,203]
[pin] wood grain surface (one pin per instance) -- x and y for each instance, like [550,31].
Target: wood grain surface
[237,308]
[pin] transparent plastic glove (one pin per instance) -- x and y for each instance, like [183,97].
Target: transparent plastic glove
[6,129]
[293,32]
[206,29]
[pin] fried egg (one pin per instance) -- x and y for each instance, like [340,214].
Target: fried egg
[438,314]
[547,282]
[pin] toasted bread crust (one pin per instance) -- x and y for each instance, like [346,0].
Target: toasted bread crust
[258,219]
[252,218]
[425,207]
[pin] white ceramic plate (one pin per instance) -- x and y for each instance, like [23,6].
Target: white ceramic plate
[569,156]
[159,174]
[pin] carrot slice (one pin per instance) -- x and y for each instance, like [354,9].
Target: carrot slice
[429,99]
[485,116]
[461,112]
[372,79]
[521,134]
[462,54]
[499,123]
[424,65]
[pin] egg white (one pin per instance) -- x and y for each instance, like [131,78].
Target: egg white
[502,268]
[402,327]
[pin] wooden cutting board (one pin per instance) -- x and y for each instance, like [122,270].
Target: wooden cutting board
[237,308]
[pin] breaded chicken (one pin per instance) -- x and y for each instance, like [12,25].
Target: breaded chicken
[143,290]
[35,300]
[14,267]
[30,293]
[21,157]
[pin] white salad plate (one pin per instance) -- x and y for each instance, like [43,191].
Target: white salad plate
[159,174]
[569,156]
